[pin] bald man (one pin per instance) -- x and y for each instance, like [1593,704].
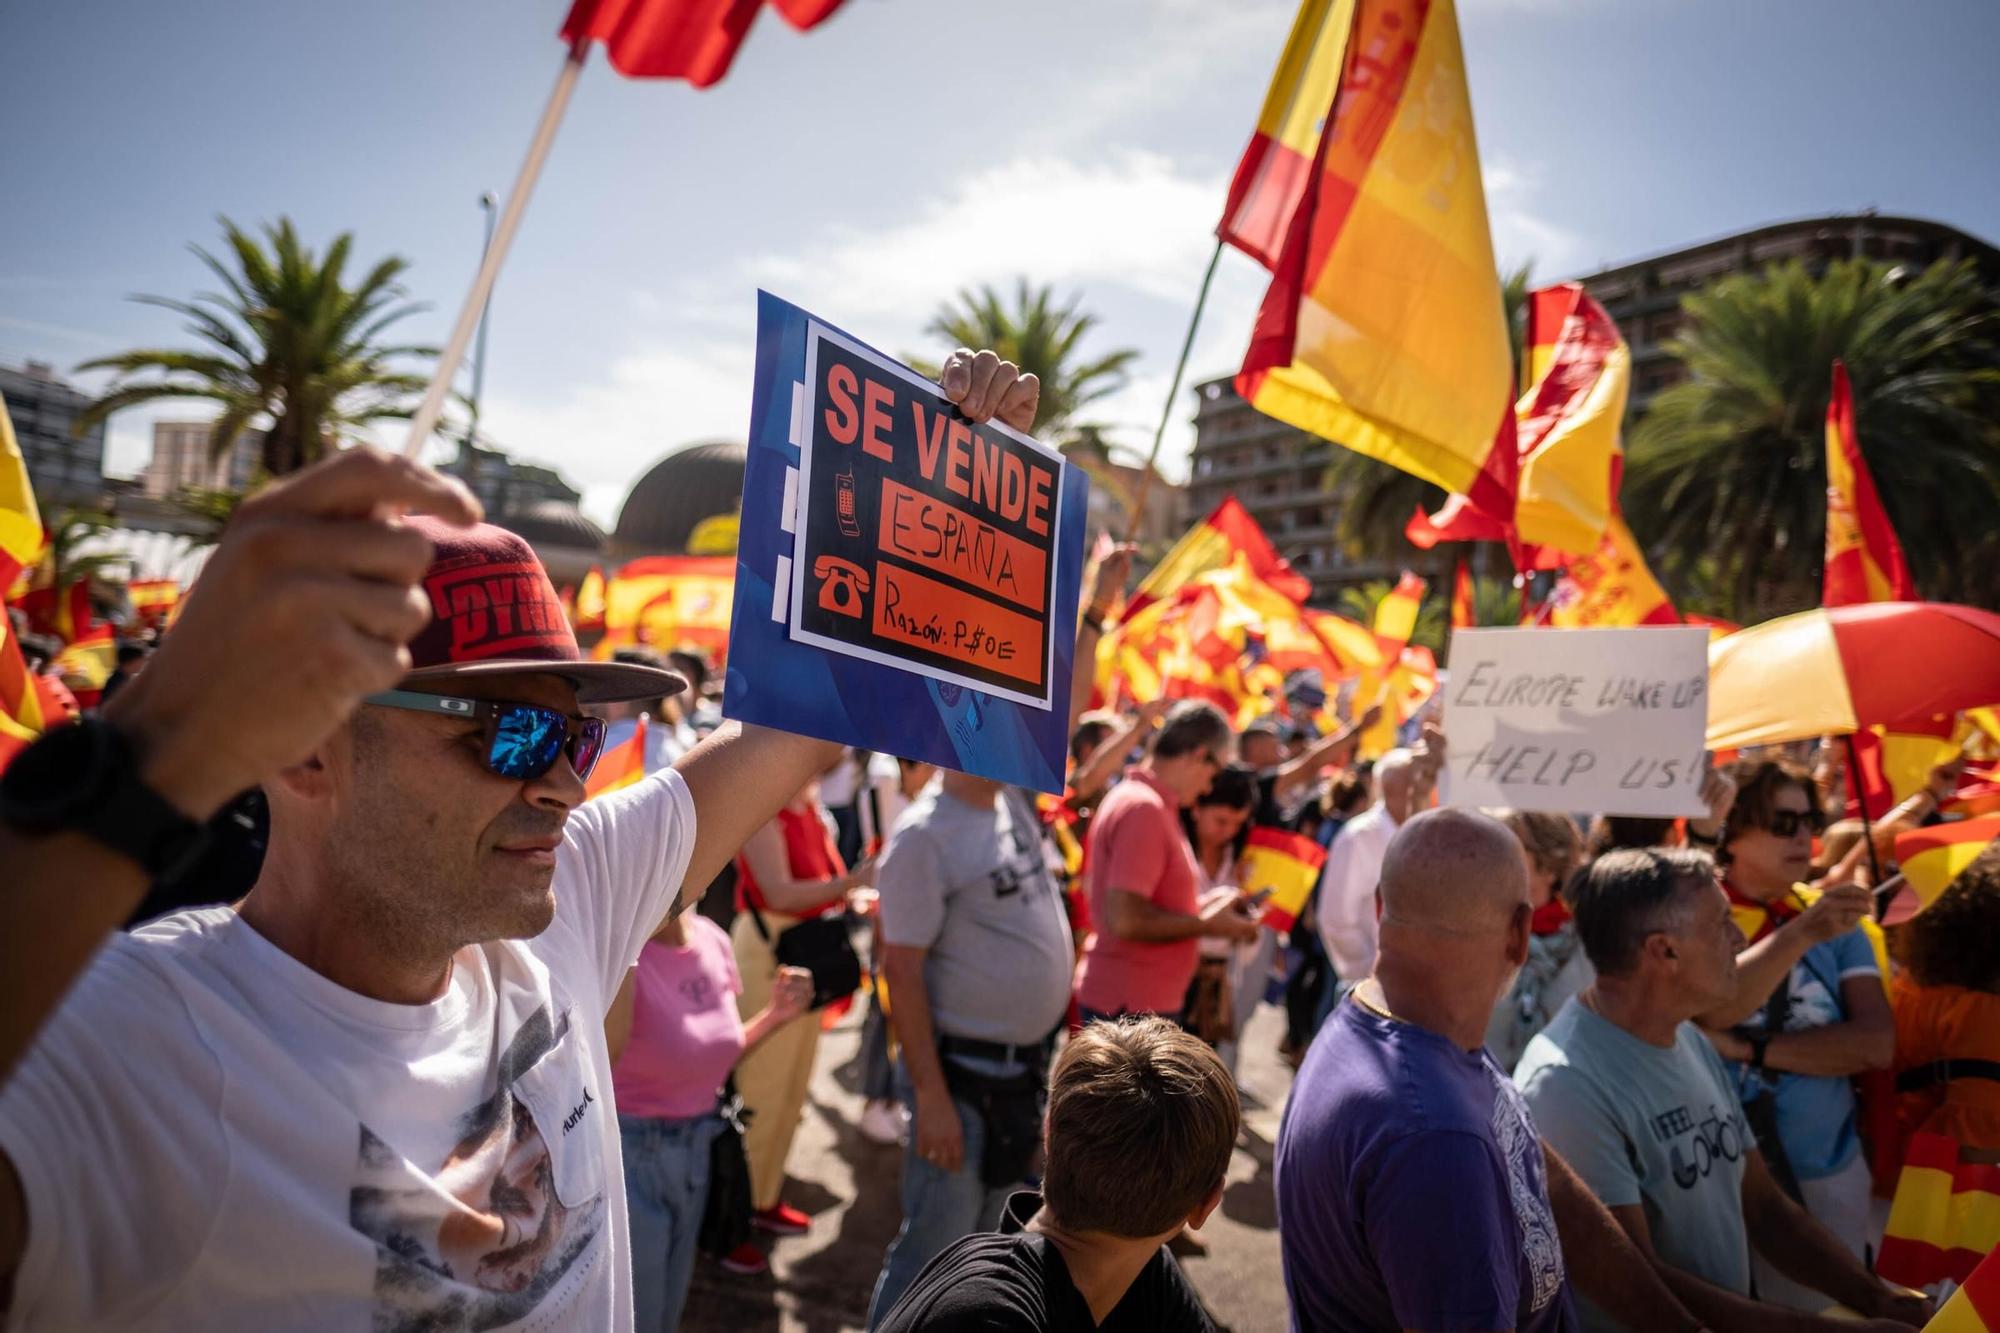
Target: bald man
[1413,1189]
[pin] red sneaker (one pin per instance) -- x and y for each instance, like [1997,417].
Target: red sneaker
[781,1219]
[746,1260]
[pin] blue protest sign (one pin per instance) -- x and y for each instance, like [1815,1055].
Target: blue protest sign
[906,580]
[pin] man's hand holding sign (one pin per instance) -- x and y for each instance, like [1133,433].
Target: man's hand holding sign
[917,591]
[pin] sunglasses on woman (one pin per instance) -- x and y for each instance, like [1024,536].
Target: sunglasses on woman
[523,741]
[1787,823]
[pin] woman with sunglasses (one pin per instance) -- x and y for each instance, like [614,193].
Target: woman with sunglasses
[790,872]
[1826,1020]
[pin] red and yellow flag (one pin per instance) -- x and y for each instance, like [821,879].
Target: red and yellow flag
[669,600]
[1579,372]
[20,520]
[1462,614]
[620,766]
[590,600]
[1286,864]
[153,600]
[1272,176]
[1975,1306]
[1931,858]
[1611,587]
[91,658]
[1864,561]
[1396,613]
[21,717]
[1945,1217]
[1212,544]
[1383,329]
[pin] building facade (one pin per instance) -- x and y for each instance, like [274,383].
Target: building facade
[505,485]
[1278,472]
[65,468]
[184,459]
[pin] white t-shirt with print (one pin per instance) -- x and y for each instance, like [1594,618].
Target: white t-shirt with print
[211,1135]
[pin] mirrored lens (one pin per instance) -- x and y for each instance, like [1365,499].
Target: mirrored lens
[526,741]
[588,747]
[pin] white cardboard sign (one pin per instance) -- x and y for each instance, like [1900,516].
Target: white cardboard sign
[1582,721]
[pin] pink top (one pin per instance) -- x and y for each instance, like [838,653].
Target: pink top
[1137,846]
[686,1034]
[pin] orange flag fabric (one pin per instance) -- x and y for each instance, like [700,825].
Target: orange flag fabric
[1287,865]
[620,766]
[1462,614]
[1864,561]
[1212,544]
[1383,329]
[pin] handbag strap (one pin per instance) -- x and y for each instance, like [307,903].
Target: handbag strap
[757,920]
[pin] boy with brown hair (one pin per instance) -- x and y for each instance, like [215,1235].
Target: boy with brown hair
[1089,1252]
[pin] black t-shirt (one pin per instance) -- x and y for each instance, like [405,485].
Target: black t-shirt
[1017,1280]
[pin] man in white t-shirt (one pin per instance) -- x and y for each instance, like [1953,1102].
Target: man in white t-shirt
[375,1092]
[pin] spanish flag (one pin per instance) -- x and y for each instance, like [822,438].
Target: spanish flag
[1383,329]
[1567,421]
[1611,587]
[21,718]
[1462,613]
[589,609]
[20,520]
[1974,1307]
[92,658]
[667,601]
[1945,1218]
[1931,858]
[1271,179]
[1288,865]
[621,766]
[153,600]
[1212,544]
[1864,561]
[1396,613]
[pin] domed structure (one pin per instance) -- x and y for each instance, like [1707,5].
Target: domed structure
[684,488]
[565,539]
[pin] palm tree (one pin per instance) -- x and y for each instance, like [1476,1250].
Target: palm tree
[1038,335]
[1730,465]
[287,340]
[1376,500]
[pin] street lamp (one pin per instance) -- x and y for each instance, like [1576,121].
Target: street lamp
[486,206]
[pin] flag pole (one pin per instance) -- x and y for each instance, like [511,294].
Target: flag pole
[426,418]
[1173,392]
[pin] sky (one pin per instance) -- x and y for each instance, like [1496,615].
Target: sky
[872,168]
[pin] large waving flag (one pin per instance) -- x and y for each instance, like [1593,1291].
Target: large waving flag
[1579,373]
[1864,561]
[1212,544]
[668,601]
[1383,329]
[1271,178]
[679,39]
[20,520]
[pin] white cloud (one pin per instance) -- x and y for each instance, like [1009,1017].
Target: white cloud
[1521,231]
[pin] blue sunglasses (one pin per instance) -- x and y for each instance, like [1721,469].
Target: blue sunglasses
[523,741]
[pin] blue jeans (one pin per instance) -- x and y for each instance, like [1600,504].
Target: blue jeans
[666,1189]
[939,1206]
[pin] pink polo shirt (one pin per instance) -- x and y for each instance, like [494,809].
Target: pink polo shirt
[1136,845]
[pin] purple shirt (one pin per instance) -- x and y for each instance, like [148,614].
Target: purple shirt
[1410,1189]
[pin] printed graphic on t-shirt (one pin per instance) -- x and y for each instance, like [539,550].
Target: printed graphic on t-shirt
[482,1239]
[1699,1138]
[1521,1149]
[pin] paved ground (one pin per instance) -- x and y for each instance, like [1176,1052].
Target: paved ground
[820,1282]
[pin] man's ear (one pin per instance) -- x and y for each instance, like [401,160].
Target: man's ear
[308,780]
[1661,949]
[1207,1206]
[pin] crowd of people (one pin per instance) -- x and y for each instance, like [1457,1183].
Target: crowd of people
[463,1049]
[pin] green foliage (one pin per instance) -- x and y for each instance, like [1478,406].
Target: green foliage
[1040,336]
[1726,473]
[1357,603]
[69,529]
[287,339]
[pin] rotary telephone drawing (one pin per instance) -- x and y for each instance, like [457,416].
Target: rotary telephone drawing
[841,584]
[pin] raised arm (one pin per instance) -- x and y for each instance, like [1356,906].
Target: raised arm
[1303,767]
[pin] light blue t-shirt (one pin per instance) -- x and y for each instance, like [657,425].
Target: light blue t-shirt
[1815,1113]
[1647,1126]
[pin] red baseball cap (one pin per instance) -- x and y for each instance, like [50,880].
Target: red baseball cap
[495,613]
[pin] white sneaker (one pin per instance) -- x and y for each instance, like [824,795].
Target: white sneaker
[885,1123]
